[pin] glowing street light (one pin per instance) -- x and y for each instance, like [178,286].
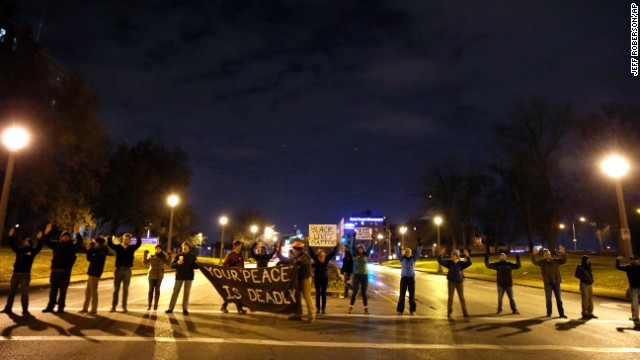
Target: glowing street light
[403,230]
[438,221]
[172,201]
[223,221]
[575,239]
[561,227]
[617,167]
[14,139]
[254,230]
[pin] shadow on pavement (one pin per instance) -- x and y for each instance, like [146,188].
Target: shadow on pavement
[636,327]
[521,326]
[31,323]
[570,325]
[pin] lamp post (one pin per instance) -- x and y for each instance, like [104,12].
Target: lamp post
[172,200]
[575,239]
[14,139]
[380,237]
[438,221]
[254,230]
[617,167]
[561,227]
[223,221]
[403,230]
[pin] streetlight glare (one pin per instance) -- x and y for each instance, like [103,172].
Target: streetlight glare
[561,226]
[615,166]
[583,219]
[437,220]
[173,200]
[15,138]
[254,229]
[223,220]
[403,229]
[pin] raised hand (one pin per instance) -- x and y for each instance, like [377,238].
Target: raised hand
[465,252]
[76,229]
[48,228]
[561,249]
[12,231]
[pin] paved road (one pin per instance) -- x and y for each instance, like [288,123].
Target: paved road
[207,333]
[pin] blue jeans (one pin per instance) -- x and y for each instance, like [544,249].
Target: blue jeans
[555,288]
[121,276]
[512,301]
[635,294]
[360,281]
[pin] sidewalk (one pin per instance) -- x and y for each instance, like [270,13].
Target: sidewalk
[600,292]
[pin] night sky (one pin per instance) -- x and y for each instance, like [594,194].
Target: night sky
[309,111]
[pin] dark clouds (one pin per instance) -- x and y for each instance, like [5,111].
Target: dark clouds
[311,110]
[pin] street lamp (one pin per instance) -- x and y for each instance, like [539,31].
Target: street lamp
[254,230]
[223,221]
[380,237]
[617,167]
[403,230]
[172,200]
[561,227]
[14,138]
[575,239]
[438,221]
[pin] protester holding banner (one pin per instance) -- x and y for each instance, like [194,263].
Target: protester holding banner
[234,259]
[262,257]
[408,277]
[303,261]
[156,262]
[346,270]
[360,274]
[184,263]
[321,275]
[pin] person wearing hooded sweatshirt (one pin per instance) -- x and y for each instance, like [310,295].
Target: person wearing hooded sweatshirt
[64,256]
[321,276]
[303,261]
[156,262]
[185,263]
[346,270]
[504,280]
[234,259]
[455,278]
[584,273]
[262,257]
[21,277]
[97,253]
[124,263]
[360,274]
[408,277]
[633,275]
[551,277]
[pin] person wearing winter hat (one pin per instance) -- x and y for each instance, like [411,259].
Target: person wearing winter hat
[303,261]
[64,256]
[97,253]
[21,277]
[584,273]
[504,280]
[455,278]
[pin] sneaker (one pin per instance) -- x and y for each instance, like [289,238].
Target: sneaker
[148,308]
[412,313]
[112,309]
[242,311]
[399,313]
[124,309]
[635,320]
[82,312]
[168,311]
[224,310]
[60,311]
[155,308]
[312,319]
[26,313]
[499,312]
[341,296]
[366,311]
[47,310]
[548,314]
[350,309]
[93,313]
[516,312]
[185,312]
[563,316]
[593,316]
[9,311]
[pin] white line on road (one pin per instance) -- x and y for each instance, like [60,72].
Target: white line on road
[385,346]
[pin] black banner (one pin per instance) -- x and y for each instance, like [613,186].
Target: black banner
[272,289]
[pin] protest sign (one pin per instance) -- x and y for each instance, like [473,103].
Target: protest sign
[323,235]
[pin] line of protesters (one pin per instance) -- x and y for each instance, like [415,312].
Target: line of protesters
[312,268]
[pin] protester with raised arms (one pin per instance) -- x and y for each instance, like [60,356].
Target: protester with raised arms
[504,280]
[124,263]
[455,278]
[64,256]
[360,274]
[262,257]
[408,277]
[156,262]
[234,259]
[321,276]
[97,253]
[551,277]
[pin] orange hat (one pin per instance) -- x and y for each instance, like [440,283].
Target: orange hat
[298,245]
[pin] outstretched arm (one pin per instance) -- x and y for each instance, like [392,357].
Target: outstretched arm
[417,254]
[313,254]
[11,240]
[333,253]
[518,263]
[138,240]
[396,250]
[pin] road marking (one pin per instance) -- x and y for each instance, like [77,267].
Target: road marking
[358,345]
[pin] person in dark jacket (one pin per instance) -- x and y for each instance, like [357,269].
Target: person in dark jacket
[346,271]
[21,277]
[124,263]
[633,276]
[184,263]
[156,262]
[503,279]
[584,273]
[97,253]
[321,275]
[455,278]
[234,259]
[262,258]
[551,277]
[64,256]
[408,277]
